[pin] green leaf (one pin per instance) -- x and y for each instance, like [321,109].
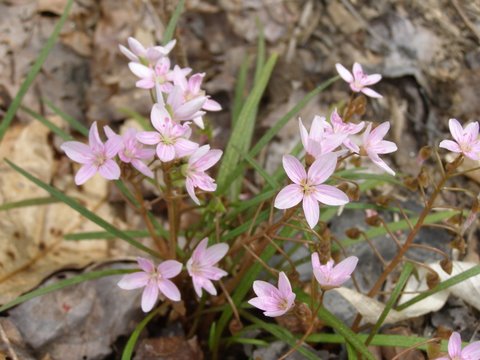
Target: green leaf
[379,340]
[53,128]
[454,280]
[28,202]
[259,169]
[345,331]
[239,97]
[281,334]
[211,336]
[404,275]
[74,123]
[172,24]
[82,210]
[132,340]
[104,235]
[34,70]
[243,131]
[64,283]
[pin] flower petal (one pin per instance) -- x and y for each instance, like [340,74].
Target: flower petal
[322,168]
[372,79]
[264,289]
[330,195]
[169,268]
[380,163]
[140,70]
[159,116]
[345,268]
[455,345]
[471,351]
[110,170]
[165,152]
[211,105]
[372,93]
[284,285]
[214,254]
[85,173]
[146,265]
[208,160]
[311,210]
[456,129]
[77,151]
[191,191]
[142,168]
[289,196]
[134,281]
[344,73]
[94,137]
[149,296]
[184,147]
[169,289]
[148,137]
[294,169]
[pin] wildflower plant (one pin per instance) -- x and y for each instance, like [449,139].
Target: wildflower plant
[216,274]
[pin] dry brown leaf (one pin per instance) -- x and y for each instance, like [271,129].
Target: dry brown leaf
[31,241]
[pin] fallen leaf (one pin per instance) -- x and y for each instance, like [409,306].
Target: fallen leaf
[31,242]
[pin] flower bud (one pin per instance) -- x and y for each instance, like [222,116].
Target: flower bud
[411,183]
[424,153]
[235,326]
[353,233]
[447,266]
[373,220]
[432,279]
[423,179]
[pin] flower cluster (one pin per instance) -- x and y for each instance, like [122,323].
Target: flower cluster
[455,351]
[202,268]
[324,144]
[180,101]
[278,301]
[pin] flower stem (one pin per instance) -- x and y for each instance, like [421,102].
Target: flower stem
[172,211]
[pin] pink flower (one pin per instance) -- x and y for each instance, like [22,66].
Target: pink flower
[309,187]
[339,127]
[179,108]
[373,144]
[202,160]
[202,266]
[466,140]
[455,352]
[171,138]
[274,302]
[132,151]
[317,142]
[359,80]
[155,281]
[192,89]
[139,54]
[95,157]
[158,74]
[329,276]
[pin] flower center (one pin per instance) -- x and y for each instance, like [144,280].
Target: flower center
[167,140]
[307,187]
[100,159]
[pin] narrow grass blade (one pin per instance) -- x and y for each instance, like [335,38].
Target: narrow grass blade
[172,24]
[281,334]
[132,340]
[239,97]
[345,331]
[64,283]
[254,164]
[53,128]
[28,202]
[82,210]
[34,70]
[104,235]
[243,131]
[404,275]
[442,286]
[74,123]
[379,340]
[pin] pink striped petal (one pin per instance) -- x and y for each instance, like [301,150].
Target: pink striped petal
[165,153]
[134,281]
[208,160]
[195,82]
[169,269]
[284,285]
[330,195]
[110,170]
[148,137]
[372,79]
[345,268]
[146,83]
[143,168]
[94,137]
[136,46]
[294,169]
[322,168]
[264,289]
[159,116]
[184,147]
[344,73]
[85,173]
[456,129]
[191,191]
[455,345]
[370,92]
[78,152]
[140,70]
[214,254]
[130,55]
[212,105]
[146,265]
[311,210]
[472,351]
[357,71]
[149,296]
[169,289]
[289,196]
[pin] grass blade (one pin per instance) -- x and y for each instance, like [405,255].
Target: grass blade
[34,70]
[64,283]
[454,280]
[172,24]
[243,131]
[74,123]
[104,235]
[53,128]
[28,202]
[82,210]
[239,97]
[132,340]
[404,275]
